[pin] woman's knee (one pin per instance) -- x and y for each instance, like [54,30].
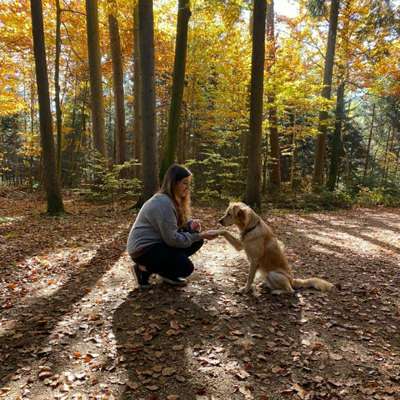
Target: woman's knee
[195,247]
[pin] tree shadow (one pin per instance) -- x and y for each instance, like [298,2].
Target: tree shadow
[355,232]
[34,323]
[217,332]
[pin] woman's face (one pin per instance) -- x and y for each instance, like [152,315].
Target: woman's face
[182,188]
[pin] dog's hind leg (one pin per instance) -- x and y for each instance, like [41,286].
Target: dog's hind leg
[279,283]
[250,278]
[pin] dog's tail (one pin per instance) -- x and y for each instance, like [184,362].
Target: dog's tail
[314,283]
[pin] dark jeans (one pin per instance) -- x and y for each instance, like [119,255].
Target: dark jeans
[169,262]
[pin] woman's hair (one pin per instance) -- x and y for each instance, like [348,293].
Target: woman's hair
[174,174]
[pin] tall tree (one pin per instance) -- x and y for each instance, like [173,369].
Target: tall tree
[57,86]
[336,149]
[367,156]
[137,128]
[253,183]
[320,151]
[51,181]
[118,86]
[275,162]
[147,98]
[177,86]
[96,91]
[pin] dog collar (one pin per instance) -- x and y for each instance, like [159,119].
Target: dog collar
[250,229]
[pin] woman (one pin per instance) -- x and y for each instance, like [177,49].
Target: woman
[163,238]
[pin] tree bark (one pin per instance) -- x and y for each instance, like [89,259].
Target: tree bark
[96,90]
[275,162]
[178,82]
[51,181]
[371,129]
[336,139]
[118,86]
[253,183]
[147,98]
[57,87]
[319,165]
[386,157]
[137,128]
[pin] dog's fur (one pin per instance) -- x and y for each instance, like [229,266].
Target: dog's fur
[263,251]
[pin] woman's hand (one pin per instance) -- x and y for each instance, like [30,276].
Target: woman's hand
[209,235]
[195,225]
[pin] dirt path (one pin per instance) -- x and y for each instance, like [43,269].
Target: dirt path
[73,326]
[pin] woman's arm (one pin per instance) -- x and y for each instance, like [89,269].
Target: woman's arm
[165,220]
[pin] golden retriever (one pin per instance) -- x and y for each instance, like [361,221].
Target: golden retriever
[263,251]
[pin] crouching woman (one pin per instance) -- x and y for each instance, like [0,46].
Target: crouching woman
[163,237]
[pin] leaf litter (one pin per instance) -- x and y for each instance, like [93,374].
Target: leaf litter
[73,324]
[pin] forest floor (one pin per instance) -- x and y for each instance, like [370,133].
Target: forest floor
[74,326]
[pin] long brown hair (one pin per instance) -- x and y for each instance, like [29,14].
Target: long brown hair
[174,174]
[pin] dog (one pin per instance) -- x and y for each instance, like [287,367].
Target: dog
[264,252]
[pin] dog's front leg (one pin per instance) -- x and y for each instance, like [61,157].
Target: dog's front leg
[236,243]
[250,278]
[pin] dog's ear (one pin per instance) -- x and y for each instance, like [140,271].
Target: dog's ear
[241,214]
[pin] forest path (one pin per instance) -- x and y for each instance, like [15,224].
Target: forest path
[74,326]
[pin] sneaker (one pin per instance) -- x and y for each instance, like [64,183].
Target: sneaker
[175,281]
[142,277]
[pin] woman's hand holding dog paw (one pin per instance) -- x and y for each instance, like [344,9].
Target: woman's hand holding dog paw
[209,235]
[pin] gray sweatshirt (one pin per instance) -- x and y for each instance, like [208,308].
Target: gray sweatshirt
[157,222]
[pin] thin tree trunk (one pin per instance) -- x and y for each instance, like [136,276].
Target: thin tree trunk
[51,182]
[178,82]
[137,128]
[371,129]
[57,87]
[385,162]
[253,182]
[391,150]
[275,162]
[118,86]
[182,139]
[336,139]
[96,90]
[147,98]
[319,165]
[293,160]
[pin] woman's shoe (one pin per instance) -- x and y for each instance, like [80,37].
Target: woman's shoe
[175,281]
[142,277]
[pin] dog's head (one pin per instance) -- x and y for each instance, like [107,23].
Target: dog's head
[236,213]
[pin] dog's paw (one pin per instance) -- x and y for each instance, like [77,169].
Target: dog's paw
[244,290]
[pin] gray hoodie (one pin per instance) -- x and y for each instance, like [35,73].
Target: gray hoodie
[157,222]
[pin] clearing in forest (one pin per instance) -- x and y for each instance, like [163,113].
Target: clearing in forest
[73,325]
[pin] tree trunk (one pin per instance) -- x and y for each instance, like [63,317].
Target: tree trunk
[57,87]
[253,195]
[275,162]
[51,182]
[118,86]
[386,157]
[319,165]
[178,82]
[137,128]
[147,98]
[337,139]
[182,139]
[96,91]
[371,129]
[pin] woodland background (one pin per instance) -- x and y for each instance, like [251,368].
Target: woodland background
[283,110]
[325,132]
